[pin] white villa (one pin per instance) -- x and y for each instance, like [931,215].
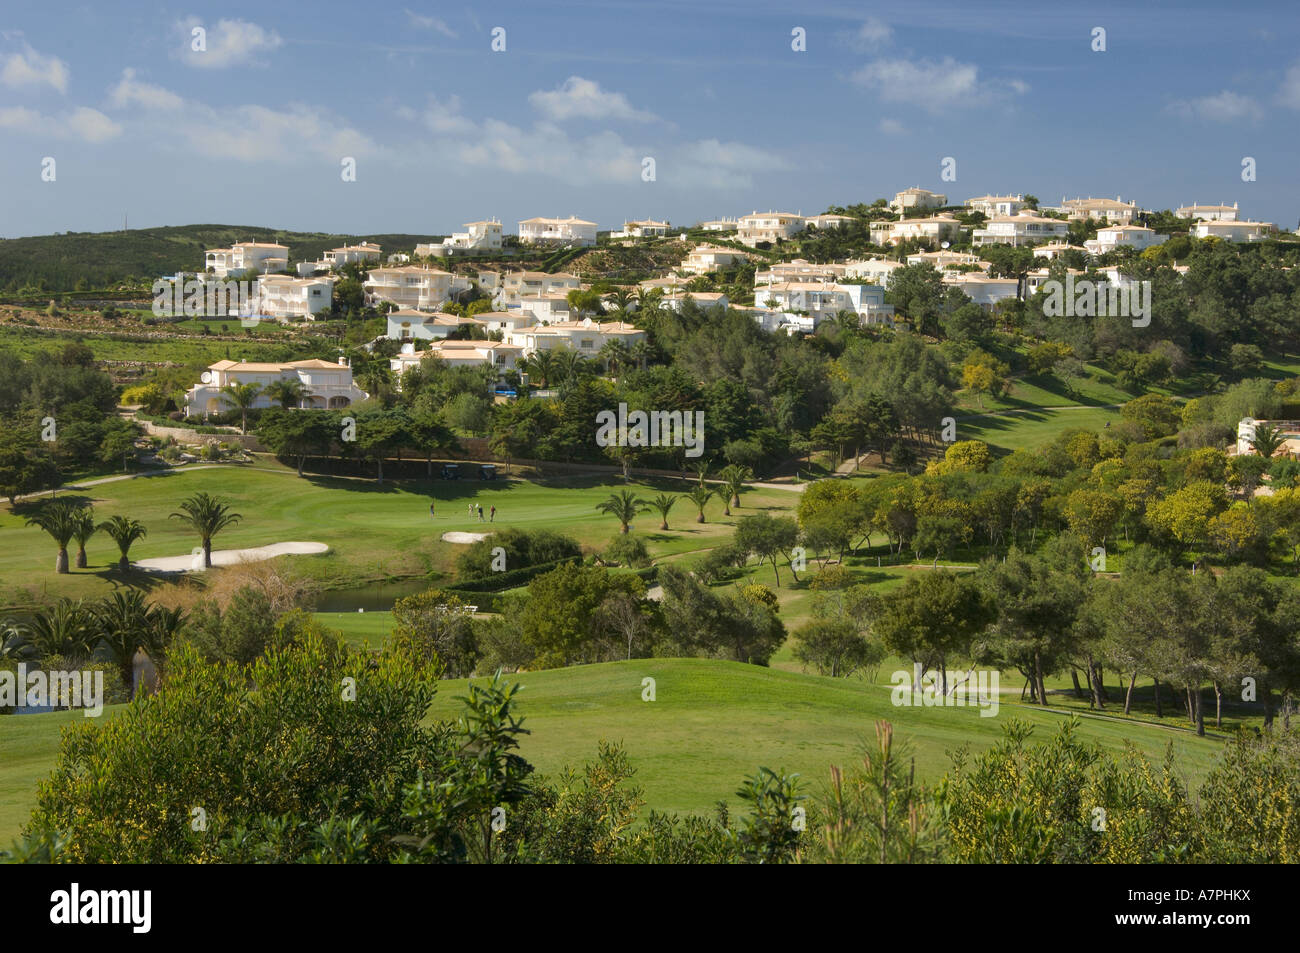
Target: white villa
[829,220]
[246,258]
[982,289]
[1078,210]
[705,258]
[503,321]
[413,286]
[1209,213]
[946,259]
[1122,236]
[768,227]
[1053,250]
[1000,205]
[877,270]
[821,300]
[704,299]
[327,385]
[496,354]
[937,229]
[646,229]
[1024,228]
[409,325]
[800,270]
[336,258]
[917,198]
[283,297]
[585,336]
[571,230]
[548,307]
[516,285]
[1234,231]
[478,236]
[720,225]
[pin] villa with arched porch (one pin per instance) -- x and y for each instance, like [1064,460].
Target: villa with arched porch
[325,386]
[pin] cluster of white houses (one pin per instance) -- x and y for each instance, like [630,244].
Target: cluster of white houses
[530,311]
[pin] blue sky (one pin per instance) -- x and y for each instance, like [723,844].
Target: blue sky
[444,130]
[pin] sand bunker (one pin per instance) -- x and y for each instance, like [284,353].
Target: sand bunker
[230,557]
[454,537]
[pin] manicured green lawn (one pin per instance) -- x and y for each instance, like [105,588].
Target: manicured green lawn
[374,532]
[711,724]
[1031,428]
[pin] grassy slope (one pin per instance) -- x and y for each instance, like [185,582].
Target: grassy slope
[688,754]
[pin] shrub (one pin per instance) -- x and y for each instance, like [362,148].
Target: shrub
[627,551]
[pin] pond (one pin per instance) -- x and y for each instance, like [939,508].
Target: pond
[372,597]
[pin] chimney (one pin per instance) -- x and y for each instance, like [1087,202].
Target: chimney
[343,361]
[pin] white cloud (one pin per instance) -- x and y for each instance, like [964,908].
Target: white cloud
[30,68]
[873,34]
[229,43]
[130,91]
[1226,106]
[934,86]
[547,149]
[430,23]
[578,98]
[1288,94]
[83,124]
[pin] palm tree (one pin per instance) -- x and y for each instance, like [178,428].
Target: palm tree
[59,519]
[67,628]
[84,527]
[733,481]
[124,531]
[15,642]
[541,366]
[701,468]
[242,396]
[616,356]
[123,620]
[570,366]
[621,298]
[623,506]
[288,392]
[641,352]
[699,496]
[661,504]
[207,516]
[1267,440]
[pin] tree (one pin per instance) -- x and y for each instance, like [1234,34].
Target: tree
[288,392]
[661,504]
[84,528]
[206,515]
[118,444]
[67,628]
[733,481]
[435,626]
[60,520]
[932,617]
[768,537]
[624,507]
[242,397]
[124,531]
[700,495]
[1267,440]
[126,624]
[297,434]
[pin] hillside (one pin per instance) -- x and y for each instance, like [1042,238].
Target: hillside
[100,259]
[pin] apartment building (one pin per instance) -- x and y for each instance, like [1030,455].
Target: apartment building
[283,297]
[937,229]
[916,197]
[1234,231]
[1000,205]
[568,231]
[1209,213]
[1024,228]
[326,385]
[246,258]
[1116,210]
[703,259]
[417,287]
[768,227]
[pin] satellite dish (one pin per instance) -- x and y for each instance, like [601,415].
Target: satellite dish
[206,377]
[943,244]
